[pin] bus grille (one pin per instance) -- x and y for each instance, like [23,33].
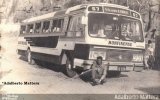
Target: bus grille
[120,55]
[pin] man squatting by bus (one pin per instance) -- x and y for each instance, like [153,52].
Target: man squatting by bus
[99,72]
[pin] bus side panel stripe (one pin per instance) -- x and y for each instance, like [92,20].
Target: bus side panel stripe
[46,57]
[50,51]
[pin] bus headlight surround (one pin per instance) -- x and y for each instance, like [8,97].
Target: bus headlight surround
[95,54]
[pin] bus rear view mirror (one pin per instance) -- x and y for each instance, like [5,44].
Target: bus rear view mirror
[84,20]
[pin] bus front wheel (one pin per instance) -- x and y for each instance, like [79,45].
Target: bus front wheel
[29,57]
[69,68]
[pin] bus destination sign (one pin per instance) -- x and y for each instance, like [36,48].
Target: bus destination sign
[116,10]
[113,10]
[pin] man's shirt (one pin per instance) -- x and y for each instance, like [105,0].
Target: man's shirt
[99,70]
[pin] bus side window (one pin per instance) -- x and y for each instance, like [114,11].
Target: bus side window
[57,25]
[54,24]
[30,28]
[38,27]
[79,27]
[60,25]
[45,28]
[23,29]
[71,28]
[75,27]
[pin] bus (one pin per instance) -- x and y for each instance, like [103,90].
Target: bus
[74,37]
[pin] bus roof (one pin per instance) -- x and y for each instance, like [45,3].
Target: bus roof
[52,14]
[39,17]
[67,11]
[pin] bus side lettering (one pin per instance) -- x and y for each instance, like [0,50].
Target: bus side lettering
[119,43]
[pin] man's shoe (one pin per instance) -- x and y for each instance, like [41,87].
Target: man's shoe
[102,82]
[94,84]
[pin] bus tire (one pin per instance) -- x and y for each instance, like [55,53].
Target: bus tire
[30,60]
[69,68]
[114,73]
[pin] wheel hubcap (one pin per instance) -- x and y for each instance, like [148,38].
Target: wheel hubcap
[68,65]
[69,70]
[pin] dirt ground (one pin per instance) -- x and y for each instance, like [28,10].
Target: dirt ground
[52,80]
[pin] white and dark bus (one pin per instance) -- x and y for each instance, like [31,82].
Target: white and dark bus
[76,36]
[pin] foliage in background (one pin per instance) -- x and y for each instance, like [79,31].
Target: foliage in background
[18,10]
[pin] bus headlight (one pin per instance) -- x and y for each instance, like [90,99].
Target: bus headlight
[137,57]
[95,54]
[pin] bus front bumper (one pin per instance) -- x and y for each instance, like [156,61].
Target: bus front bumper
[112,66]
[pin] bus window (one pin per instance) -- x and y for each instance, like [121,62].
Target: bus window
[71,28]
[115,27]
[57,25]
[54,24]
[30,28]
[75,27]
[60,25]
[38,27]
[45,28]
[23,29]
[79,28]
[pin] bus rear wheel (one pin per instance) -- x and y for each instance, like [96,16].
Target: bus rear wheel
[69,68]
[29,57]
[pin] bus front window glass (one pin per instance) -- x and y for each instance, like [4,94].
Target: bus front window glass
[131,30]
[114,27]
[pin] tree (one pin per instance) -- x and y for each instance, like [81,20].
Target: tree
[72,3]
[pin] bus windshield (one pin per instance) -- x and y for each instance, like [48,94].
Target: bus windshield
[114,27]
